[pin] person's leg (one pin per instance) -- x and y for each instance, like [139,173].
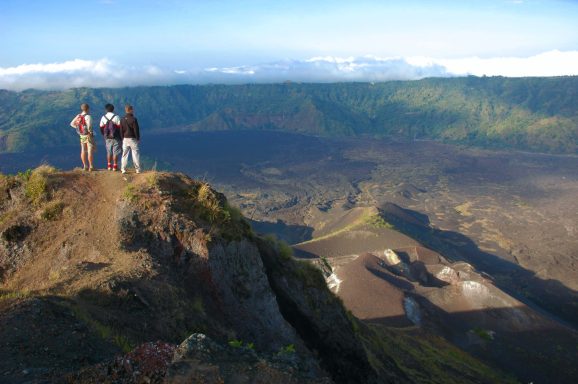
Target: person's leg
[83,151]
[124,160]
[108,147]
[90,147]
[116,151]
[136,156]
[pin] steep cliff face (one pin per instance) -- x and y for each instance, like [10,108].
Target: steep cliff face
[119,262]
[154,278]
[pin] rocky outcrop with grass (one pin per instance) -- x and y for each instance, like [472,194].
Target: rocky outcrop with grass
[113,264]
[155,278]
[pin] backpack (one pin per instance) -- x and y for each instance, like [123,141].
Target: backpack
[82,128]
[110,128]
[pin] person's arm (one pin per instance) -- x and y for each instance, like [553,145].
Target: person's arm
[88,121]
[102,125]
[122,128]
[116,121]
[74,122]
[136,129]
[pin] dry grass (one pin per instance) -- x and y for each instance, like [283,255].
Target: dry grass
[53,210]
[36,188]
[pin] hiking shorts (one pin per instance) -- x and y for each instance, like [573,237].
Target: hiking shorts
[88,141]
[113,147]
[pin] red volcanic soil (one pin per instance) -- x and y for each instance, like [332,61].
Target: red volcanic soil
[368,295]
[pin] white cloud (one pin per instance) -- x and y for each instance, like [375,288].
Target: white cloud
[552,63]
[105,73]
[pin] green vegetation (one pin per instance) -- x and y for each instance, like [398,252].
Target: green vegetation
[153,179]
[483,334]
[236,343]
[287,350]
[378,222]
[239,344]
[537,114]
[130,193]
[52,211]
[426,358]
[12,295]
[36,187]
[283,249]
[102,330]
[309,274]
[205,205]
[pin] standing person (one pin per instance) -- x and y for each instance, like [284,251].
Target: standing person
[110,129]
[83,125]
[130,139]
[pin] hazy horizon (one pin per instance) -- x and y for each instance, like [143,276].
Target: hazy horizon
[115,43]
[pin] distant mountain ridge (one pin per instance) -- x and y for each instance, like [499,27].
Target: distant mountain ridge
[536,114]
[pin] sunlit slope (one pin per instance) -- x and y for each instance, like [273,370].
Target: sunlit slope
[535,114]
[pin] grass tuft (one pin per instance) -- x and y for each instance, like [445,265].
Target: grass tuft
[130,193]
[53,211]
[36,187]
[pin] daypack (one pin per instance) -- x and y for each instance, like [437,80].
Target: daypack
[82,128]
[110,128]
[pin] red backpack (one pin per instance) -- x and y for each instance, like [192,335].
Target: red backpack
[82,128]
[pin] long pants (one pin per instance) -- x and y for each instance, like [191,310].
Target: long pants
[129,144]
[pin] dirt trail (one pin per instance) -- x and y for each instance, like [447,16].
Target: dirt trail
[82,248]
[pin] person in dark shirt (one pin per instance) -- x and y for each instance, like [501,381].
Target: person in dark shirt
[130,132]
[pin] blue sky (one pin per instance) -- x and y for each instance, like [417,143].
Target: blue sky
[154,41]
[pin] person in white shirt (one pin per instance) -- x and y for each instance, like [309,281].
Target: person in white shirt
[110,129]
[83,125]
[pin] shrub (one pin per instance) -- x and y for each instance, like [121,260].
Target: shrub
[236,343]
[52,211]
[283,249]
[288,349]
[36,188]
[376,221]
[129,193]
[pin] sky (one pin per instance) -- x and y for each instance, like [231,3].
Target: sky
[59,44]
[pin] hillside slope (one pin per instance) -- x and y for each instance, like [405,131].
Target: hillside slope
[535,114]
[93,265]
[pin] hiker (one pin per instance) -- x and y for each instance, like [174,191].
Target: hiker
[129,130]
[83,125]
[110,129]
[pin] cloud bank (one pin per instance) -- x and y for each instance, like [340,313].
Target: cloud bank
[106,73]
